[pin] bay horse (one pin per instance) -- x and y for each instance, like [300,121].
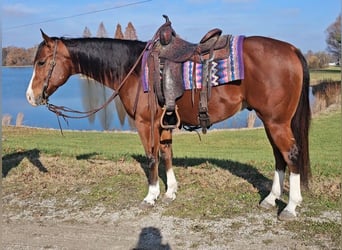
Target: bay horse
[276,86]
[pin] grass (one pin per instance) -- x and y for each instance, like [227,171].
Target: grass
[223,175]
[326,145]
[316,232]
[331,73]
[110,146]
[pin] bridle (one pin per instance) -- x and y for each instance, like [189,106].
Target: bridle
[46,83]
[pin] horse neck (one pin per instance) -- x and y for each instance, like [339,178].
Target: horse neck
[105,60]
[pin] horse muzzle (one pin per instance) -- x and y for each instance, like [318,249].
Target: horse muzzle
[36,100]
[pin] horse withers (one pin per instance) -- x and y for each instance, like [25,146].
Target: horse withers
[275,85]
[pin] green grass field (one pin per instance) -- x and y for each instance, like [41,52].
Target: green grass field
[331,73]
[224,175]
[236,145]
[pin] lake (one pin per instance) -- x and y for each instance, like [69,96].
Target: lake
[14,84]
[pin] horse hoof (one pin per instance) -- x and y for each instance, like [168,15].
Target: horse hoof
[167,200]
[145,205]
[265,205]
[286,216]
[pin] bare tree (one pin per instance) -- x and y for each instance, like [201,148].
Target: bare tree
[14,56]
[86,32]
[4,56]
[334,38]
[101,32]
[130,32]
[118,32]
[318,60]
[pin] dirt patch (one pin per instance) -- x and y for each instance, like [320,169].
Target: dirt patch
[66,203]
[136,229]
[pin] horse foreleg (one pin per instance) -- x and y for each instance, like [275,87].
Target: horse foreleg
[151,146]
[153,181]
[166,154]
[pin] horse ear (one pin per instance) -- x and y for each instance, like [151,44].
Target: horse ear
[47,39]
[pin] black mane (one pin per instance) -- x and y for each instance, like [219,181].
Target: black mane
[101,58]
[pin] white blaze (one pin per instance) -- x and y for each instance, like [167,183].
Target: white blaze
[29,92]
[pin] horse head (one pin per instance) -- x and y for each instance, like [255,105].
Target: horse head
[52,67]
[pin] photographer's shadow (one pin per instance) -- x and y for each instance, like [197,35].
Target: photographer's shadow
[13,160]
[151,238]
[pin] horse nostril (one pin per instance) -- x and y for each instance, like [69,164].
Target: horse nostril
[28,97]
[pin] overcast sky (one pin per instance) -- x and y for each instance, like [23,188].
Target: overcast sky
[300,22]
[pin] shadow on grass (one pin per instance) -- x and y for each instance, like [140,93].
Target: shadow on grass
[242,170]
[13,160]
[86,156]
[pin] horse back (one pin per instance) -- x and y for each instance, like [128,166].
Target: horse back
[268,54]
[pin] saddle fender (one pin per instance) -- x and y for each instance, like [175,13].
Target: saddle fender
[172,83]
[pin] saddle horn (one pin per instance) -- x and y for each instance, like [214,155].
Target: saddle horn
[167,20]
[166,32]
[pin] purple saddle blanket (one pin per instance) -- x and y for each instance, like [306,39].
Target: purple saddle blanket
[222,71]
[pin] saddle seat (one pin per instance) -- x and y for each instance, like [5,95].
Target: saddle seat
[179,50]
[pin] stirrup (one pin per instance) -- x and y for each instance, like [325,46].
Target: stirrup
[170,126]
[204,120]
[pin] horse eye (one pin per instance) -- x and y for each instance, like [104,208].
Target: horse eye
[40,63]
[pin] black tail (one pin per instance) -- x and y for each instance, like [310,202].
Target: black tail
[300,124]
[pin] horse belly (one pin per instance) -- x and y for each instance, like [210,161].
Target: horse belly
[224,102]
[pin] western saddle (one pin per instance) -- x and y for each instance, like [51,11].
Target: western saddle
[165,69]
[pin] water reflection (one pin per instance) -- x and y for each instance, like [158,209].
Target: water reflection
[83,94]
[326,93]
[94,94]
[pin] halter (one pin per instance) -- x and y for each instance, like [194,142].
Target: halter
[46,83]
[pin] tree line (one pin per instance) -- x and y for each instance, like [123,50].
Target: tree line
[14,56]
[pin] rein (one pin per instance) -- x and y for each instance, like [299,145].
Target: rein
[65,112]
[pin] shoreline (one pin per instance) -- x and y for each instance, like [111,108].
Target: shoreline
[23,66]
[176,131]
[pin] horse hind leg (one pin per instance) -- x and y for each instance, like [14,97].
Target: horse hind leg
[286,153]
[278,181]
[295,196]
